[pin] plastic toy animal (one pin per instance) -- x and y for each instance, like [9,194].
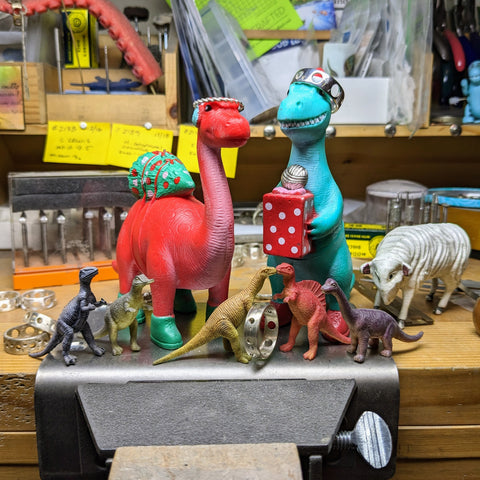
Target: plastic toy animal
[122,313]
[304,116]
[471,89]
[410,255]
[307,303]
[225,320]
[367,325]
[175,239]
[73,319]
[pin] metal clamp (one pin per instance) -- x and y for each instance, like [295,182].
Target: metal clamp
[38,299]
[24,339]
[260,338]
[9,300]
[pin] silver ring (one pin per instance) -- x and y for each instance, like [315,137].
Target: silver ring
[260,338]
[40,321]
[9,300]
[38,299]
[24,339]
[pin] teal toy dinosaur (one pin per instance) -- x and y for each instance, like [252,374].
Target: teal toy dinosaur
[303,117]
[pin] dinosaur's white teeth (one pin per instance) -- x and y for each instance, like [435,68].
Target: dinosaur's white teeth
[303,123]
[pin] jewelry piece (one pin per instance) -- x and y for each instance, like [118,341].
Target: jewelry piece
[24,339]
[40,321]
[38,299]
[9,300]
[260,342]
[324,82]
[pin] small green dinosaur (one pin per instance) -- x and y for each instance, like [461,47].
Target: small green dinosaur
[225,320]
[122,313]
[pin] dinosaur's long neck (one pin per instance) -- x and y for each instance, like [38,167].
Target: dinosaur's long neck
[312,156]
[255,285]
[345,306]
[216,195]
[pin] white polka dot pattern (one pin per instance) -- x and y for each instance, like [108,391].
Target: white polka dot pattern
[285,219]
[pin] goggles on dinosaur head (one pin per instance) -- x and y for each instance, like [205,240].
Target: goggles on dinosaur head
[324,82]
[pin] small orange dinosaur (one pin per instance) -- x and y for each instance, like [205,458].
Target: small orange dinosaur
[308,305]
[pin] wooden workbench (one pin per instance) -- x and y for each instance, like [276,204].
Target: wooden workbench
[439,433]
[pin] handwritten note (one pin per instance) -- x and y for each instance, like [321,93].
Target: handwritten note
[83,143]
[11,98]
[187,152]
[128,142]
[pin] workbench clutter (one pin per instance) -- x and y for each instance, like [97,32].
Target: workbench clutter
[66,92]
[63,221]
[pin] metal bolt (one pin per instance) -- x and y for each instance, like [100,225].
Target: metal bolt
[269,132]
[455,130]
[390,130]
[371,438]
[331,131]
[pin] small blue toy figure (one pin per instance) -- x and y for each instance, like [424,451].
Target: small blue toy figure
[471,89]
[73,319]
[304,116]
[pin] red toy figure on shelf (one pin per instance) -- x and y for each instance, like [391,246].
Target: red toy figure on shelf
[286,214]
[171,237]
[307,303]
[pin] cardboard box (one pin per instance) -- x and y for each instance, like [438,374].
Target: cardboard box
[366,101]
[82,49]
[363,239]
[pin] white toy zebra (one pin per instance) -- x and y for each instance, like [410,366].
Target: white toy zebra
[409,255]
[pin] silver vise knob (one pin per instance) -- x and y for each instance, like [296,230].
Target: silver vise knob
[371,438]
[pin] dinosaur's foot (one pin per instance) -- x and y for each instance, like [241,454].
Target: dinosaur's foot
[336,321]
[164,332]
[386,353]
[184,301]
[359,358]
[69,359]
[310,354]
[286,347]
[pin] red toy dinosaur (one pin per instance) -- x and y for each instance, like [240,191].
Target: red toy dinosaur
[169,235]
[309,307]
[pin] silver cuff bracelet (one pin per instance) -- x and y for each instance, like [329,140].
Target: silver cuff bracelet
[260,342]
[24,339]
[38,299]
[9,300]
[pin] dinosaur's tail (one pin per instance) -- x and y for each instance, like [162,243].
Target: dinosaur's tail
[101,333]
[54,341]
[404,337]
[197,341]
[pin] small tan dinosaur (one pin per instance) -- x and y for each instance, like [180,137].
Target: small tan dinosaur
[122,313]
[225,320]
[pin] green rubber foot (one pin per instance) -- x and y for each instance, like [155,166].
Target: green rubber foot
[164,333]
[184,301]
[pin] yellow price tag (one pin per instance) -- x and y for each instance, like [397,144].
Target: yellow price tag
[187,152]
[128,142]
[77,142]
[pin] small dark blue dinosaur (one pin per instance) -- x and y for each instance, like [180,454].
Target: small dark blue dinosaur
[73,319]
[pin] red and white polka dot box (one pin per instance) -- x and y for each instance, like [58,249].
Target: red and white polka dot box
[285,219]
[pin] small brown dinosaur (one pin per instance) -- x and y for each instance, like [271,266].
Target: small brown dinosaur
[368,325]
[122,313]
[225,320]
[307,303]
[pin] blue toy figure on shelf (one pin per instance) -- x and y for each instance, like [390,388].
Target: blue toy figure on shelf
[471,89]
[303,117]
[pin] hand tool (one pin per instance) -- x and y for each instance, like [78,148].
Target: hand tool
[43,236]
[23,223]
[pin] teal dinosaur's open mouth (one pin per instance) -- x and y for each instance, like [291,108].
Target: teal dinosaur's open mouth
[303,123]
